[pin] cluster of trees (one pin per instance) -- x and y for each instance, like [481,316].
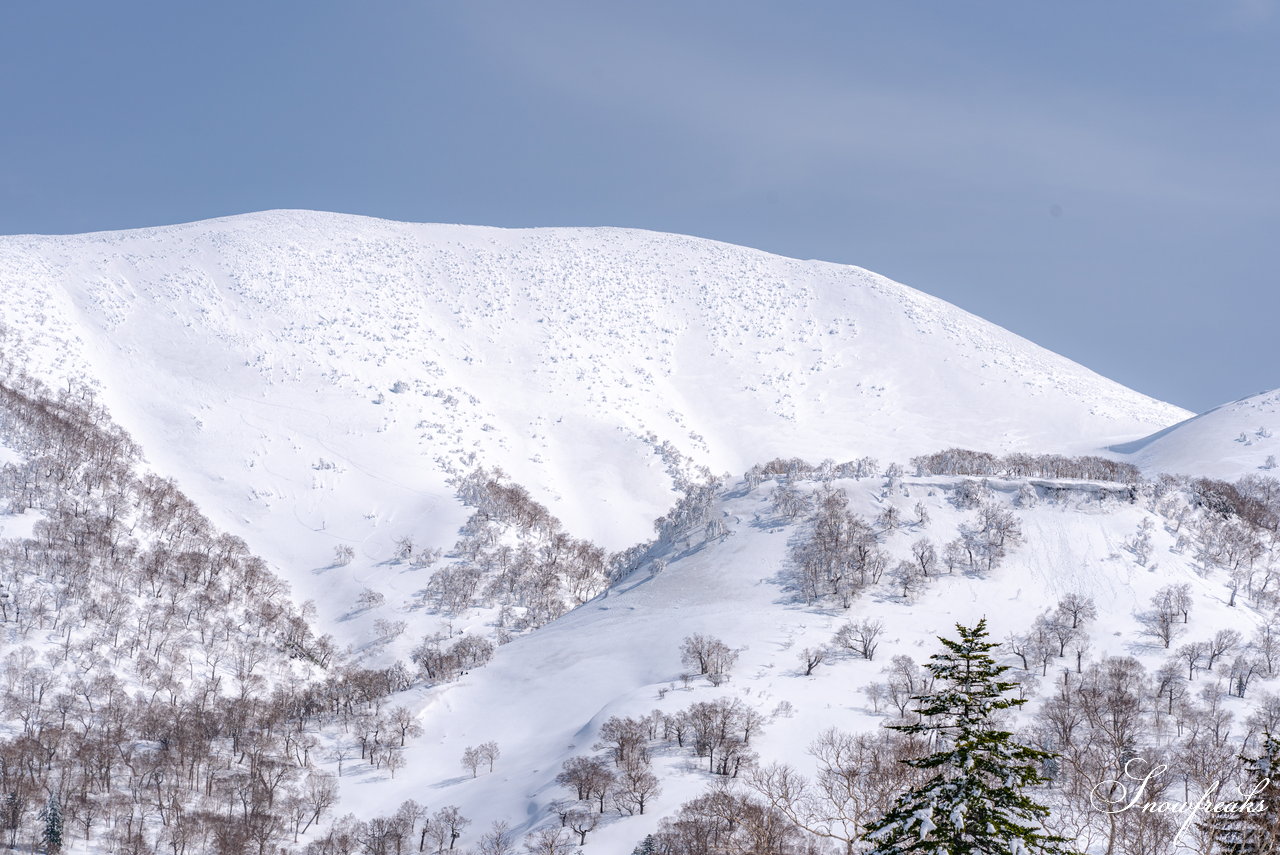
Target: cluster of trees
[381,736]
[948,779]
[689,521]
[514,554]
[856,779]
[707,656]
[1230,659]
[1170,611]
[838,554]
[725,821]
[984,541]
[1056,634]
[626,785]
[796,469]
[688,518]
[1232,530]
[484,754]
[1234,545]
[405,549]
[161,691]
[960,461]
[904,680]
[1116,716]
[947,774]
[912,575]
[1112,718]
[719,730]
[412,828]
[622,779]
[1256,829]
[1254,500]
[439,660]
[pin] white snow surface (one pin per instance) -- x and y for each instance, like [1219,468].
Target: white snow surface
[545,695]
[315,379]
[268,341]
[1227,442]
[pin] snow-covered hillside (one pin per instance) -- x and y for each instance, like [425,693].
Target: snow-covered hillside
[546,697]
[313,380]
[1229,441]
[318,382]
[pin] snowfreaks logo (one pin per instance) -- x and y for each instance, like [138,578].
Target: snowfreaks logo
[1125,795]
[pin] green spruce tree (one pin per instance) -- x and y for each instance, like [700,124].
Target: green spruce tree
[51,837]
[646,847]
[1254,827]
[11,810]
[974,803]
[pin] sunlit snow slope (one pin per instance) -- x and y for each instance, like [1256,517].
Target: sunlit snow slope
[1226,442]
[313,379]
[545,696]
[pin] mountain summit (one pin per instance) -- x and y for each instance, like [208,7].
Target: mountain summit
[295,353]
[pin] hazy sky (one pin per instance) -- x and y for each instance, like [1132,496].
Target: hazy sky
[1100,177]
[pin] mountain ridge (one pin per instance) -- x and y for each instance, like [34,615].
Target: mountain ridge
[314,380]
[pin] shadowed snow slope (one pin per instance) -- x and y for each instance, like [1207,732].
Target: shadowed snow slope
[314,379]
[1226,442]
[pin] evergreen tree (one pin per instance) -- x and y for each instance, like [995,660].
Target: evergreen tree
[51,837]
[11,815]
[1253,829]
[646,846]
[974,803]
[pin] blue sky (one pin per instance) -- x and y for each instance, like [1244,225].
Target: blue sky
[1099,177]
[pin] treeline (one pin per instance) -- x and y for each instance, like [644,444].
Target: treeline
[796,468]
[159,689]
[960,461]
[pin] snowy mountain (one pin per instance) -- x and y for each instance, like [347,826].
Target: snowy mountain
[1229,441]
[314,379]
[318,383]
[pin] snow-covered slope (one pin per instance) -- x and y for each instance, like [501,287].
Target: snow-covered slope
[1226,442]
[545,696]
[313,379]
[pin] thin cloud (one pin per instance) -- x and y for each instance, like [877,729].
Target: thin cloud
[803,121]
